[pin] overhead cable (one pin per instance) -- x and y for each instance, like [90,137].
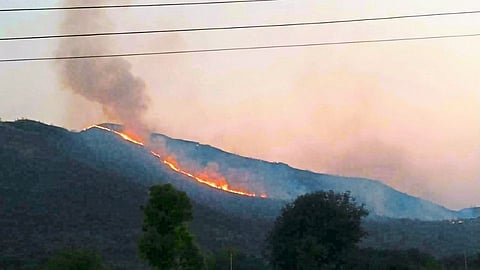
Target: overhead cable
[235,48]
[236,27]
[133,5]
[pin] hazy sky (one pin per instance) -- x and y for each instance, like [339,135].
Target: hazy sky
[405,113]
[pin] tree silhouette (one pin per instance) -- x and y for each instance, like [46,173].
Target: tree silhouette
[316,231]
[166,242]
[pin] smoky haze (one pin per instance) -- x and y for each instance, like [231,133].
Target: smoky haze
[405,113]
[108,81]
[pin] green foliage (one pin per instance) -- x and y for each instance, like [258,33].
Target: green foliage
[75,259]
[166,242]
[316,231]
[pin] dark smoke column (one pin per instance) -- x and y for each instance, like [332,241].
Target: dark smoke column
[107,81]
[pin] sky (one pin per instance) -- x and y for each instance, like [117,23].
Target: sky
[404,113]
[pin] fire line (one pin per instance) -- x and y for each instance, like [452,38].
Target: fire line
[174,167]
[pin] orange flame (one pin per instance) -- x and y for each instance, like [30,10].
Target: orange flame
[217,181]
[123,135]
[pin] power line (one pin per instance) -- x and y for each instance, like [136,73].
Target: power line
[237,48]
[241,26]
[134,5]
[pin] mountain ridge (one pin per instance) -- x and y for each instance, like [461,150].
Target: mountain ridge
[204,154]
[281,182]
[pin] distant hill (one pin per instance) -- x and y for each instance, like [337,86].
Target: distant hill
[282,182]
[470,212]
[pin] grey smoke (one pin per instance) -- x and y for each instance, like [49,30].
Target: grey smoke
[107,81]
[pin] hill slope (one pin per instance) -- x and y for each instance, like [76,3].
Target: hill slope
[283,182]
[50,201]
[104,150]
[62,189]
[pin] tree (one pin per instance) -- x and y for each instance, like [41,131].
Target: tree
[166,242]
[316,231]
[75,259]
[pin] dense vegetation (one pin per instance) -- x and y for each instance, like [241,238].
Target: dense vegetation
[317,231]
[166,242]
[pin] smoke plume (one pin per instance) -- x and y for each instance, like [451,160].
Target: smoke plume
[106,81]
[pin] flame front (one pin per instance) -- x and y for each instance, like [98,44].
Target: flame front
[171,163]
[122,135]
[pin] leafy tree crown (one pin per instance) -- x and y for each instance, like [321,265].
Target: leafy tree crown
[315,231]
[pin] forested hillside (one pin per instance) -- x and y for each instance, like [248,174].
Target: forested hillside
[50,200]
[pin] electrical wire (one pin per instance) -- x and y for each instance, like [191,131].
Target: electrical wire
[134,5]
[240,26]
[237,48]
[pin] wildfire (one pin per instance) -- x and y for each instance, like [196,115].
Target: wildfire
[171,163]
[123,135]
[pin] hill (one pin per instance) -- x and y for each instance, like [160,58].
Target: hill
[84,189]
[284,183]
[50,201]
